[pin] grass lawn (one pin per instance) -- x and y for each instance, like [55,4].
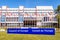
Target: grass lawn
[5,36]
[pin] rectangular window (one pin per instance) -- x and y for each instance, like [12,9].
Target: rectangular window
[12,19]
[12,24]
[46,19]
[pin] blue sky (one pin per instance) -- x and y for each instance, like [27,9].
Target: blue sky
[29,3]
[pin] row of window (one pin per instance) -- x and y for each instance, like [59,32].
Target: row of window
[49,19]
[12,24]
[12,19]
[26,18]
[9,24]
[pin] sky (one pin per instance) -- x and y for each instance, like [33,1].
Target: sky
[29,3]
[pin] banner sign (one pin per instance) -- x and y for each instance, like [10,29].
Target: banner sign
[44,31]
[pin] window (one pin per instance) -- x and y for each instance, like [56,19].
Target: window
[13,24]
[12,19]
[46,18]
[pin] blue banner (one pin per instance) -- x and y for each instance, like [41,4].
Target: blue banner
[44,31]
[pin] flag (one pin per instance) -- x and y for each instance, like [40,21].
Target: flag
[50,13]
[42,14]
[35,14]
[26,14]
[9,14]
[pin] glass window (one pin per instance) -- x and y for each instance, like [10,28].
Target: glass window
[46,18]
[12,19]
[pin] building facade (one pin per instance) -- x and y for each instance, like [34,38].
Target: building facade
[27,17]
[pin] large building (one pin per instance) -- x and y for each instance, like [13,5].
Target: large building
[27,17]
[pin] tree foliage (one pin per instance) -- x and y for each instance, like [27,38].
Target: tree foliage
[58,8]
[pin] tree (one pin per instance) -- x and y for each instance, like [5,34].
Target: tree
[58,15]
[58,18]
[58,8]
